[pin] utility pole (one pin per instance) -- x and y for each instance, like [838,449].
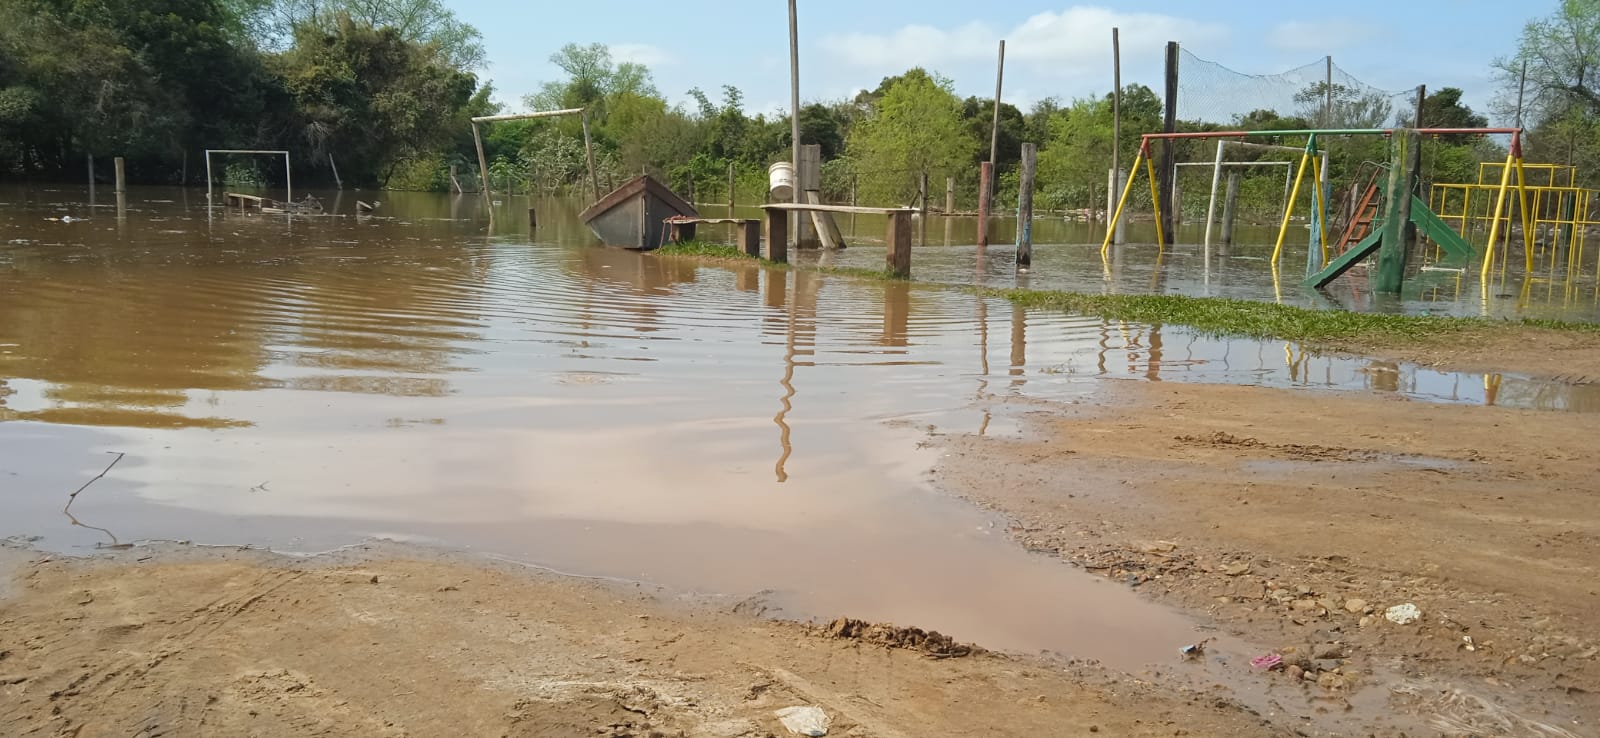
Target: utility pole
[794,97]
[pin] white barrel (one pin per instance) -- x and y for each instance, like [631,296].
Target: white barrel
[780,178]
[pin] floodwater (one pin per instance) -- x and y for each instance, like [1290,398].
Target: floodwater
[304,383]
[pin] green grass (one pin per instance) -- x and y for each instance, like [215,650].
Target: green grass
[714,253]
[717,252]
[880,275]
[1214,316]
[1226,317]
[703,249]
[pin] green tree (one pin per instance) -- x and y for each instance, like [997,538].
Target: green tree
[273,23]
[915,128]
[370,97]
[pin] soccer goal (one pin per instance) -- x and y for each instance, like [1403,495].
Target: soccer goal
[1222,162]
[288,174]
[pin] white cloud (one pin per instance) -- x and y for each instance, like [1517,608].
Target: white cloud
[646,54]
[1322,36]
[1072,42]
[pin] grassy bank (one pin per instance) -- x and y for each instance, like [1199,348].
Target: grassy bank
[1227,317]
[723,253]
[1215,316]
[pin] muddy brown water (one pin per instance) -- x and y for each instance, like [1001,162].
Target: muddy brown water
[306,383]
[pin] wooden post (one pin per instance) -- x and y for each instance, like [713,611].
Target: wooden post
[533,219]
[1030,155]
[985,184]
[1416,165]
[748,233]
[91,178]
[456,183]
[1405,145]
[923,185]
[336,179]
[730,189]
[483,164]
[808,180]
[899,239]
[1169,124]
[588,153]
[949,196]
[122,182]
[1229,204]
[777,236]
[999,82]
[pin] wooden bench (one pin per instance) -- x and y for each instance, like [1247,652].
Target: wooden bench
[898,260]
[747,231]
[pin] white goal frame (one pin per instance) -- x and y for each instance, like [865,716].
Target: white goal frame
[288,174]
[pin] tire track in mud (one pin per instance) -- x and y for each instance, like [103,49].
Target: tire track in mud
[131,671]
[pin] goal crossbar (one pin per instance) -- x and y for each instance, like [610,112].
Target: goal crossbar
[287,174]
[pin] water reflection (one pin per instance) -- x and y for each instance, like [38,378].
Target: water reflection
[303,382]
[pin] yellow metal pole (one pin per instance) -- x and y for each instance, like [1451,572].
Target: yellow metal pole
[1494,222]
[1155,202]
[1527,225]
[1322,213]
[1122,202]
[1294,194]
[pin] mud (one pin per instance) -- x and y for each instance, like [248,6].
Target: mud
[395,641]
[1162,488]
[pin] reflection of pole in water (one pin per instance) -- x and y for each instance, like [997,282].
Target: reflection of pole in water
[1153,367]
[983,362]
[1491,388]
[777,285]
[1019,344]
[896,313]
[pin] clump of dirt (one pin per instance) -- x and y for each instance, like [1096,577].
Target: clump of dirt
[1304,452]
[929,642]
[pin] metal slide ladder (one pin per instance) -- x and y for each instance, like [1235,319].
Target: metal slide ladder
[1360,224]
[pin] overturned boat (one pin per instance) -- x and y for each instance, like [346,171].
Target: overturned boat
[632,216]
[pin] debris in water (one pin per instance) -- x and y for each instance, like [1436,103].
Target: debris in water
[1267,661]
[1403,614]
[804,720]
[1194,650]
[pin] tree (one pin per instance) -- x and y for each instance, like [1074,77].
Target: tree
[273,23]
[371,97]
[1352,107]
[915,128]
[978,115]
[1562,54]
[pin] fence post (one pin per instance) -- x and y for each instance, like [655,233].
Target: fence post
[1229,204]
[985,184]
[1169,124]
[1030,154]
[122,182]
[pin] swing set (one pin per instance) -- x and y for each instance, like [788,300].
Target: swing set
[1402,206]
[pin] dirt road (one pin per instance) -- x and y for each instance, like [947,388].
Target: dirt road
[1300,518]
[192,643]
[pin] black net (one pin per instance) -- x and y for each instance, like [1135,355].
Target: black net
[1209,93]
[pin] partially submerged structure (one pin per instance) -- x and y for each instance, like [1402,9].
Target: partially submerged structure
[634,215]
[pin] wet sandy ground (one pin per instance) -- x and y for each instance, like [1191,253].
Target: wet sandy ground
[1297,520]
[397,642]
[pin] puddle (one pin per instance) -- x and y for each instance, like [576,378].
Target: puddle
[302,384]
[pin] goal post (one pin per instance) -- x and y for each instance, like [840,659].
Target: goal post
[288,174]
[1219,163]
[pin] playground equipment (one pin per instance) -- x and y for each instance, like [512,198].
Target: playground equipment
[1388,235]
[1559,210]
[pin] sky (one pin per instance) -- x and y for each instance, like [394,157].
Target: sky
[1054,49]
